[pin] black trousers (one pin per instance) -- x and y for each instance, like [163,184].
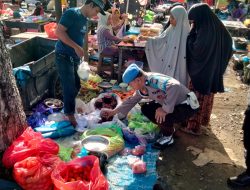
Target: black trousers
[180,114]
[246,137]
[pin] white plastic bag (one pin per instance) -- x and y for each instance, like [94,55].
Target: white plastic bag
[82,123]
[83,70]
[80,106]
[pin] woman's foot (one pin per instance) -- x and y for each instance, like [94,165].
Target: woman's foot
[196,132]
[72,119]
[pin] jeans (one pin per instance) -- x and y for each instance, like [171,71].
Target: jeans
[67,69]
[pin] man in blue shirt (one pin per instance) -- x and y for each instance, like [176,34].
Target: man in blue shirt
[70,31]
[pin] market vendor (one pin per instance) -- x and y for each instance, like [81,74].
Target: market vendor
[70,31]
[38,10]
[171,101]
[107,42]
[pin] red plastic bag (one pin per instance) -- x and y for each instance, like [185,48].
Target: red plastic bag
[50,30]
[35,172]
[79,174]
[30,143]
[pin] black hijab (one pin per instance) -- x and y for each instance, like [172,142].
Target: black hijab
[209,48]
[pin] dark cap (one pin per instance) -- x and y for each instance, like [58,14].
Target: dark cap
[101,5]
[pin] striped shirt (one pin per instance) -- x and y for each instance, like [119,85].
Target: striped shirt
[105,39]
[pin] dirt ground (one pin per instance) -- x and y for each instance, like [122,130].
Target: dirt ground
[175,165]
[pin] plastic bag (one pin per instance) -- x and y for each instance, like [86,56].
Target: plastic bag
[91,104]
[139,167]
[35,172]
[50,30]
[83,70]
[80,107]
[28,144]
[65,152]
[141,125]
[80,174]
[56,129]
[138,150]
[82,123]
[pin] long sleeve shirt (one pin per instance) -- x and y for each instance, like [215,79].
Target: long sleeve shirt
[105,38]
[162,89]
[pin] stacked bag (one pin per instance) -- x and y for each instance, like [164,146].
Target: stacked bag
[36,165]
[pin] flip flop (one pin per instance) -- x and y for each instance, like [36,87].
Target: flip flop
[190,131]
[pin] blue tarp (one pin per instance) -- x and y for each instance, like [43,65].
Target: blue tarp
[121,177]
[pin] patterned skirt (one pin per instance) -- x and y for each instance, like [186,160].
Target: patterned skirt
[203,115]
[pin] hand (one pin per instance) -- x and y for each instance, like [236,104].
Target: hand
[107,113]
[124,16]
[79,51]
[192,25]
[126,39]
[160,115]
[143,38]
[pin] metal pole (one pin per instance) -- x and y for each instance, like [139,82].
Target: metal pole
[58,7]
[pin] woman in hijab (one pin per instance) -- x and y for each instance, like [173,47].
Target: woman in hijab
[168,11]
[118,21]
[106,40]
[209,48]
[166,53]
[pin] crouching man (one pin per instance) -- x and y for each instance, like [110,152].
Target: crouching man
[171,101]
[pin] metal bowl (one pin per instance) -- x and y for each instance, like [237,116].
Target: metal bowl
[95,143]
[105,85]
[53,103]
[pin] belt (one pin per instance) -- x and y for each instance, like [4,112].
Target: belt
[71,58]
[191,100]
[185,102]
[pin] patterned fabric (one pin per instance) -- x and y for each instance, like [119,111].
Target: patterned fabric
[159,81]
[203,115]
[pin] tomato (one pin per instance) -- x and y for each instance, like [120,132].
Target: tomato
[79,178]
[72,179]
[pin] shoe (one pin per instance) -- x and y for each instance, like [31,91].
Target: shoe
[163,142]
[241,180]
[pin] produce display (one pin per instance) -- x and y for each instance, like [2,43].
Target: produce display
[76,172]
[124,94]
[86,96]
[89,85]
[79,174]
[107,101]
[95,78]
[149,32]
[35,172]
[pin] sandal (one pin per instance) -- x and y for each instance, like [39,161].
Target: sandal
[191,131]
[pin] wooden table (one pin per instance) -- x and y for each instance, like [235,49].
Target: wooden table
[13,23]
[236,28]
[127,46]
[28,35]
